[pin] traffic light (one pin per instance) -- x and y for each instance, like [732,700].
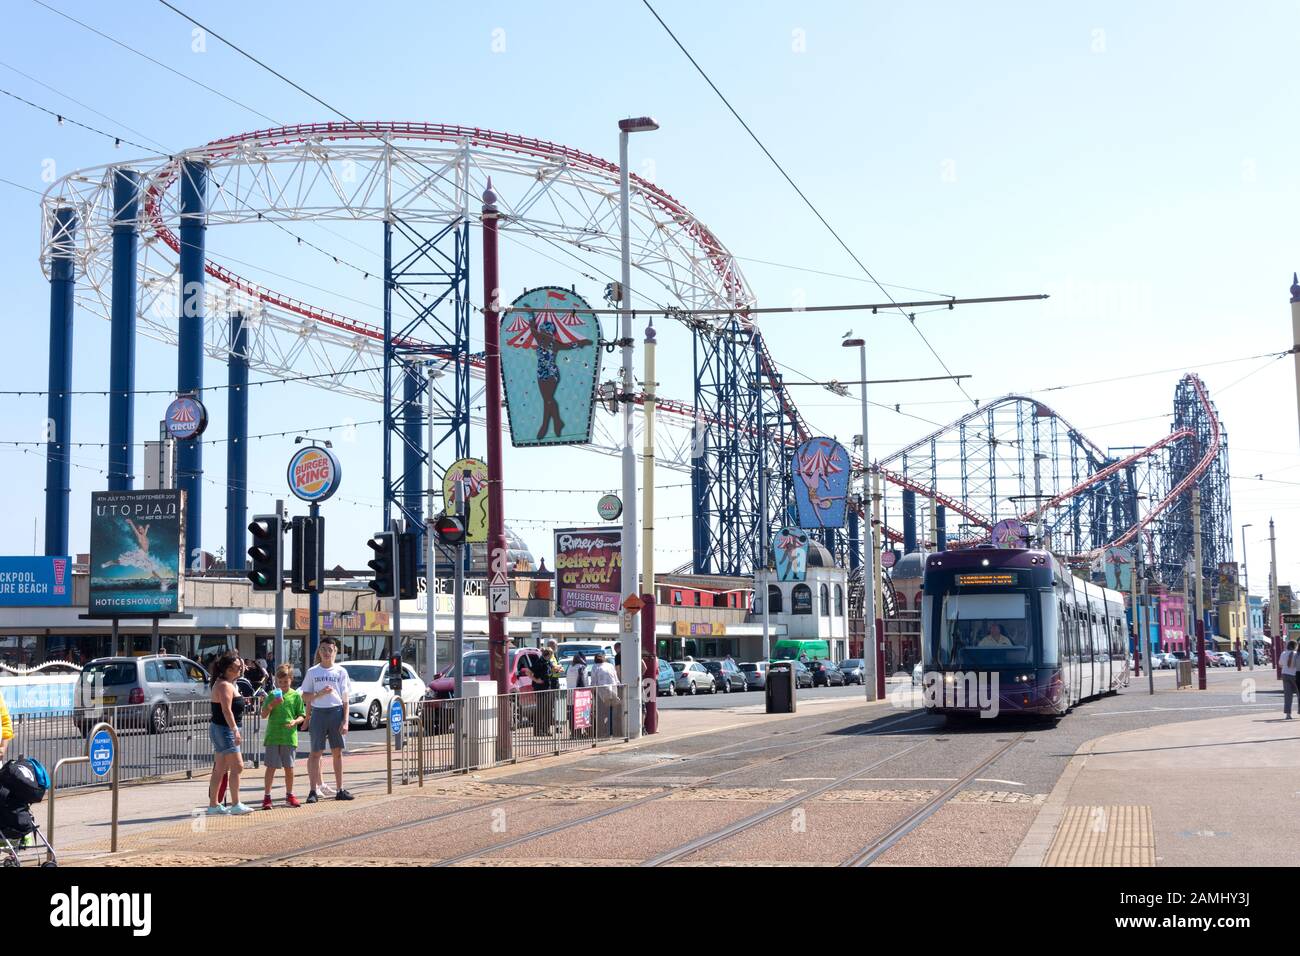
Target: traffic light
[384,583]
[307,555]
[408,554]
[265,556]
[395,674]
[450,529]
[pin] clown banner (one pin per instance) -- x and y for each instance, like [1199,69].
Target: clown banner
[821,483]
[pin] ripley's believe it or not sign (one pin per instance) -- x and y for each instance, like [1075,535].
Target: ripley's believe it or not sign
[820,469]
[314,473]
[550,362]
[135,552]
[588,570]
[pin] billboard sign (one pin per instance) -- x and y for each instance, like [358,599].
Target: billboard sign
[550,363]
[790,553]
[473,476]
[588,571]
[1117,565]
[820,469]
[135,553]
[35,582]
[314,473]
[1227,582]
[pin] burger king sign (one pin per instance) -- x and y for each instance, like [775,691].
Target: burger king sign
[314,473]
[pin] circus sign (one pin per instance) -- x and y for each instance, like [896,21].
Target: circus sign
[1010,533]
[550,361]
[314,473]
[821,483]
[472,475]
[186,418]
[790,554]
[1117,565]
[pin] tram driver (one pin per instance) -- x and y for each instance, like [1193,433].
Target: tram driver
[996,637]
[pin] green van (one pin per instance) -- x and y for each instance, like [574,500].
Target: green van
[790,650]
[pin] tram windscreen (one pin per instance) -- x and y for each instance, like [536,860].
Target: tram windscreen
[980,631]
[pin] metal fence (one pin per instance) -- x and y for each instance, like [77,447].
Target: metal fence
[474,733]
[145,749]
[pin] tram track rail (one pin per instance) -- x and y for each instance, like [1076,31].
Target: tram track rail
[881,845]
[728,749]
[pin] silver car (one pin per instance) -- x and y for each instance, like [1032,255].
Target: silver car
[693,677]
[146,691]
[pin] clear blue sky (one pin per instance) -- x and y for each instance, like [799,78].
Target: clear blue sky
[1138,162]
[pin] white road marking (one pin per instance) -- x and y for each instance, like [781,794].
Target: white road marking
[1011,783]
[1170,710]
[802,779]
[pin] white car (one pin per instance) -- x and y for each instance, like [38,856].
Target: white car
[370,698]
[693,677]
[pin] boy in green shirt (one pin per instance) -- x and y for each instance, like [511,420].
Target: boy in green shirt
[284,712]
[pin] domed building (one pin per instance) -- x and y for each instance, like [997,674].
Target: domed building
[815,609]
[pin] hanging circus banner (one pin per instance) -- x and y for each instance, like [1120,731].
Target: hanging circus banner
[1117,565]
[1010,533]
[473,476]
[550,363]
[790,553]
[821,483]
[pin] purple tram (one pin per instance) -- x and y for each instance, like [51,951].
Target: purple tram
[1013,631]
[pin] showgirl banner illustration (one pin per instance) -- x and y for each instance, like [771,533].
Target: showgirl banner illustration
[550,363]
[1117,564]
[135,552]
[790,549]
[821,483]
[473,475]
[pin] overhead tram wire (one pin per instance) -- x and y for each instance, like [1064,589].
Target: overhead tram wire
[808,202]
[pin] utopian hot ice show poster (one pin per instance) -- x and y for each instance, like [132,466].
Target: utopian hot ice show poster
[135,552]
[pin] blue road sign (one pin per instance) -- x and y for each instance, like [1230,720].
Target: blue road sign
[395,716]
[101,753]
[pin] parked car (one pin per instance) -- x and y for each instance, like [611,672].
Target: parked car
[726,675]
[667,683]
[151,691]
[371,696]
[693,677]
[825,673]
[803,677]
[854,670]
[478,667]
[755,674]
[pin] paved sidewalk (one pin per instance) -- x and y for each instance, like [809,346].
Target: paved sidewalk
[82,824]
[1198,793]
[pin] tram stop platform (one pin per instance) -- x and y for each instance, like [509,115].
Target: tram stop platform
[1197,793]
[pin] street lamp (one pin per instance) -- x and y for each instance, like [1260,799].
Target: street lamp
[629,639]
[877,684]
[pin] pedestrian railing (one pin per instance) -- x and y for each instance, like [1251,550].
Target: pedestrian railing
[474,733]
[150,743]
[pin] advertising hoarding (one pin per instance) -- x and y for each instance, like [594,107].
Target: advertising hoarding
[35,582]
[135,553]
[588,571]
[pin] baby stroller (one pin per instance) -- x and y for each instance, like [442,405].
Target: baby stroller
[22,782]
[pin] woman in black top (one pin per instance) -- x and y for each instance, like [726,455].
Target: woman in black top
[223,730]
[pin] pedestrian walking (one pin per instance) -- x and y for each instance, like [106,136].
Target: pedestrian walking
[325,689]
[605,679]
[1289,660]
[223,731]
[546,678]
[284,712]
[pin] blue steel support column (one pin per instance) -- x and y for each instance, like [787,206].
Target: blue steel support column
[941,528]
[237,446]
[412,450]
[58,463]
[855,543]
[909,521]
[189,377]
[121,376]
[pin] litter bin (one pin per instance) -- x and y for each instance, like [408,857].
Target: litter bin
[1184,674]
[780,687]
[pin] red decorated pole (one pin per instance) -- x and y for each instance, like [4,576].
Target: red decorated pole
[498,582]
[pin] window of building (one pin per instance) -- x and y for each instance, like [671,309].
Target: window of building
[774,604]
[826,601]
[801,599]
[839,601]
[18,651]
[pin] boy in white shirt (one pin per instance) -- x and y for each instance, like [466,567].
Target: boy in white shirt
[325,689]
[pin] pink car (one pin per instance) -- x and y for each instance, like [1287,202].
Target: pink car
[477,667]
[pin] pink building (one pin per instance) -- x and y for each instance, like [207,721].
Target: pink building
[1173,622]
